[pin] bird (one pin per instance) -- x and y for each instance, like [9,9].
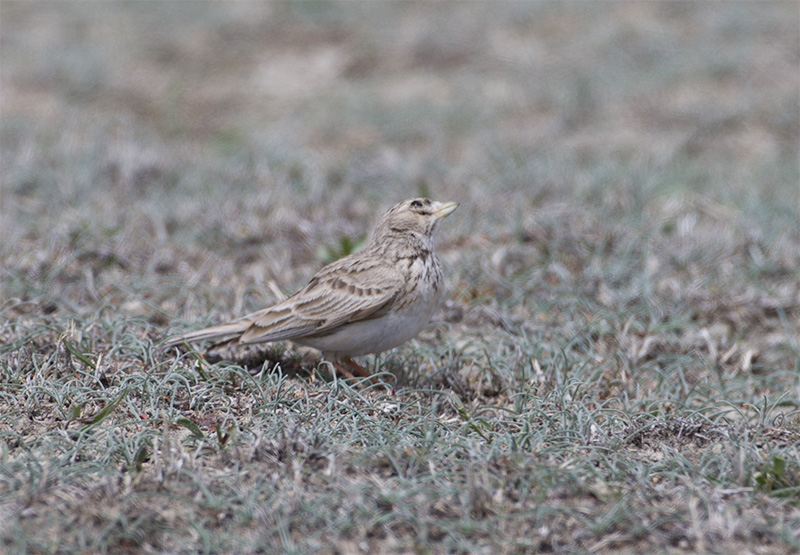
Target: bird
[364,303]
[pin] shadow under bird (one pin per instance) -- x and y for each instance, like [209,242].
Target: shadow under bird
[367,302]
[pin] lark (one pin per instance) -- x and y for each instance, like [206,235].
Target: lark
[364,303]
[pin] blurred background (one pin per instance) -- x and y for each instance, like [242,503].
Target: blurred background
[611,149]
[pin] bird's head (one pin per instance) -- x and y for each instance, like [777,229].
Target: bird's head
[416,217]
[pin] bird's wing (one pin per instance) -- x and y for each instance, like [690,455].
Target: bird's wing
[349,290]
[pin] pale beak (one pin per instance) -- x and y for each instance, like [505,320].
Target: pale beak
[445,209]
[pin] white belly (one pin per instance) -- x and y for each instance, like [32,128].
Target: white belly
[376,335]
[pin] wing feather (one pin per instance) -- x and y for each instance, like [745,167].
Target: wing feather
[347,291]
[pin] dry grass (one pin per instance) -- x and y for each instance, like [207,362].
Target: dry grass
[617,368]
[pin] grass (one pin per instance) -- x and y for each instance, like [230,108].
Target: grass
[616,368]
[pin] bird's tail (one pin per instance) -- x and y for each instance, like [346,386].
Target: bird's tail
[214,332]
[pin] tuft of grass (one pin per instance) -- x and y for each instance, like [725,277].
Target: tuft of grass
[347,245]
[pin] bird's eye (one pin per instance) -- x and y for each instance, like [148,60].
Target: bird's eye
[416,204]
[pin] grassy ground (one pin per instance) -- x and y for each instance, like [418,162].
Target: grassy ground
[617,367]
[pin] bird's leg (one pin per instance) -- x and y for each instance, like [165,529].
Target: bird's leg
[360,370]
[341,367]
